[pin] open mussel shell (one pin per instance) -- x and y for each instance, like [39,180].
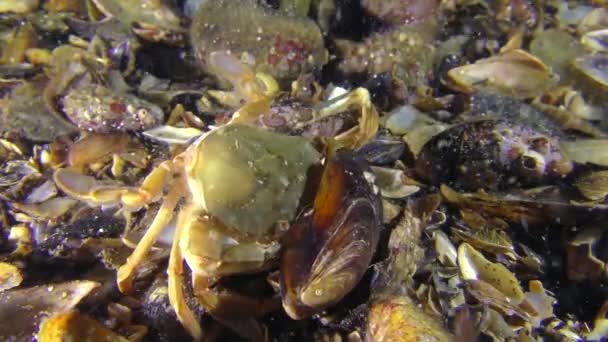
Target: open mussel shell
[327,250]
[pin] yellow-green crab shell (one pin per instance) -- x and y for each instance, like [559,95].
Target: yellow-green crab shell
[247,177]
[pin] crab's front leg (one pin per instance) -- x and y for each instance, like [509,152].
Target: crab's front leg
[126,272]
[175,276]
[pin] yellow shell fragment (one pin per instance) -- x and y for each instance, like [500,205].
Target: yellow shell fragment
[73,326]
[24,308]
[593,186]
[10,276]
[21,6]
[594,151]
[398,319]
[474,266]
[513,73]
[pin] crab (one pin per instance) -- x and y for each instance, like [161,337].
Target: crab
[242,186]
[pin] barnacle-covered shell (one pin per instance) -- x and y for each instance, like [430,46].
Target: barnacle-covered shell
[24,112]
[277,44]
[97,108]
[327,250]
[405,53]
[490,155]
[401,11]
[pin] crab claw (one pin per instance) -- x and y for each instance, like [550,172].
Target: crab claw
[327,251]
[256,90]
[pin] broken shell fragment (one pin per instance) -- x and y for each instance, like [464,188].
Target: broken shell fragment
[21,6]
[173,135]
[594,185]
[487,239]
[596,41]
[474,266]
[73,326]
[582,151]
[23,309]
[393,183]
[10,276]
[593,67]
[583,261]
[446,252]
[399,319]
[514,73]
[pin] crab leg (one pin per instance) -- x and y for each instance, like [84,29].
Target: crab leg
[86,188]
[368,121]
[174,272]
[126,272]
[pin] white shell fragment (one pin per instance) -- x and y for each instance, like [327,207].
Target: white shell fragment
[172,135]
[446,252]
[596,41]
[595,67]
[392,183]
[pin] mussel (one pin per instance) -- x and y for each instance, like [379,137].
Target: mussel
[329,248]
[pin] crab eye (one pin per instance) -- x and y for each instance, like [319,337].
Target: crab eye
[142,113]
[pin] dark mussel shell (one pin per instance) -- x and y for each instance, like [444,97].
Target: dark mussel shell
[328,249]
[491,155]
